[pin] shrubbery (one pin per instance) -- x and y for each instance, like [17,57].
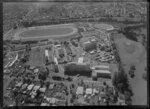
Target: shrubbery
[121,83]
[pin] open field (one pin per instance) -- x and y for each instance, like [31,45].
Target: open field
[133,53]
[37,57]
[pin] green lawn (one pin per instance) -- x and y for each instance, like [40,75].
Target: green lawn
[134,54]
[37,57]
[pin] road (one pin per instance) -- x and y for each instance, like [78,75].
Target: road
[14,51]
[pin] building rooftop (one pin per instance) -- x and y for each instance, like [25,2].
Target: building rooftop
[43,89]
[100,66]
[51,86]
[24,86]
[46,53]
[89,91]
[79,90]
[43,104]
[30,86]
[36,70]
[19,84]
[52,100]
[103,71]
[36,87]
[80,59]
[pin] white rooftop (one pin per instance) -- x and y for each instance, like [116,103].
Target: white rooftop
[103,71]
[87,42]
[51,100]
[46,53]
[43,104]
[89,91]
[55,60]
[36,87]
[79,90]
[36,70]
[95,91]
[19,84]
[30,86]
[101,66]
[43,89]
[51,86]
[80,60]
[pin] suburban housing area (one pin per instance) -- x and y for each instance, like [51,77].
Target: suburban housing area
[74,54]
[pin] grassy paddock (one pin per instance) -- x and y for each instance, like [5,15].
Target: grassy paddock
[134,54]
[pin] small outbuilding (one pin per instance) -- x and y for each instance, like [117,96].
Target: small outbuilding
[80,90]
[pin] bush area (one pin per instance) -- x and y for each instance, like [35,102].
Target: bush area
[121,83]
[145,76]
[130,33]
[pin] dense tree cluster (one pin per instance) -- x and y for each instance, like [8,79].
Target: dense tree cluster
[43,74]
[121,83]
[91,46]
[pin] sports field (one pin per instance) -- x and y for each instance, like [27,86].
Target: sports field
[64,31]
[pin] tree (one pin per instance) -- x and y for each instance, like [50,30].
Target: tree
[56,68]
[131,73]
[145,76]
[120,81]
[47,84]
[132,67]
[43,74]
[128,96]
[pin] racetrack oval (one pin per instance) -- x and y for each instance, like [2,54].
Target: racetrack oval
[46,32]
[62,32]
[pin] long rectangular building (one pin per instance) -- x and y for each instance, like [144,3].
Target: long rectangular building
[101,66]
[101,71]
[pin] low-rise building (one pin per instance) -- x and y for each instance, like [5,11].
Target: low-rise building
[80,90]
[52,100]
[80,59]
[24,86]
[43,104]
[51,86]
[97,67]
[101,71]
[95,91]
[19,84]
[55,60]
[43,89]
[36,87]
[89,91]
[30,86]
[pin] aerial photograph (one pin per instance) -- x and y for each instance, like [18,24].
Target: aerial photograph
[75,53]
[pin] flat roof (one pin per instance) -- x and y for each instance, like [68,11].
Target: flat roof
[103,71]
[80,59]
[101,66]
[46,53]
